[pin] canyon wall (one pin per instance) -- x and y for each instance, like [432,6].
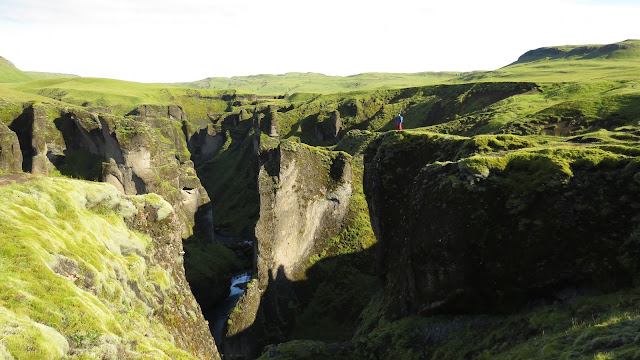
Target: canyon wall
[304,199]
[468,228]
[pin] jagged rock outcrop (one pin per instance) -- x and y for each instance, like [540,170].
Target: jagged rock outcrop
[180,313]
[269,123]
[490,233]
[304,197]
[328,130]
[10,155]
[140,155]
[204,142]
[172,112]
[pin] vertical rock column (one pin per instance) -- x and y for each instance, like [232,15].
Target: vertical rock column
[304,198]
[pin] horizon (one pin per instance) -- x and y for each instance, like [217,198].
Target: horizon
[156,42]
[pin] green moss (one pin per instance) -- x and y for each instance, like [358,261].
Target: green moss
[268,143]
[297,349]
[493,143]
[356,234]
[583,328]
[72,276]
[9,111]
[355,141]
[162,207]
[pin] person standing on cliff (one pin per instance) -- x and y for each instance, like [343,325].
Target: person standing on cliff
[400,122]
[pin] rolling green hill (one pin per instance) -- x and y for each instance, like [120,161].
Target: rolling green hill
[290,83]
[115,96]
[628,49]
[36,75]
[619,61]
[9,73]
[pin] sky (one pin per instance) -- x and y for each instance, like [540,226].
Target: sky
[188,40]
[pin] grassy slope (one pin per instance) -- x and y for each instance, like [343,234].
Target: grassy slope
[596,327]
[120,97]
[318,83]
[10,74]
[37,75]
[599,327]
[67,254]
[571,64]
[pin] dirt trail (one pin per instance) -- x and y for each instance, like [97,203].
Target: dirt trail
[9,179]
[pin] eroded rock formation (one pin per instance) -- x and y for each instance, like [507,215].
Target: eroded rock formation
[138,155]
[10,155]
[492,233]
[304,197]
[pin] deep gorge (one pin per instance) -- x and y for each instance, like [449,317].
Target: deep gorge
[464,235]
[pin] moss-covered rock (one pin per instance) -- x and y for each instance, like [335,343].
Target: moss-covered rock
[479,231]
[10,155]
[78,282]
[141,155]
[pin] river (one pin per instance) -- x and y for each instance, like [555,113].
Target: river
[220,313]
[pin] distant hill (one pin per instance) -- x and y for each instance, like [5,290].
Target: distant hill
[290,83]
[555,63]
[618,61]
[36,75]
[628,49]
[9,73]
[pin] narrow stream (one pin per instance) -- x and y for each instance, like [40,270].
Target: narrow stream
[221,312]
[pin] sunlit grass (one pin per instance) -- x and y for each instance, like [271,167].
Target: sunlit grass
[68,263]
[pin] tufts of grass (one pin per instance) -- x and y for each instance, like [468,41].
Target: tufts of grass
[75,281]
[585,327]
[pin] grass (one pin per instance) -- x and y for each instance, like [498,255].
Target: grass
[10,74]
[66,253]
[292,83]
[119,97]
[587,327]
[356,234]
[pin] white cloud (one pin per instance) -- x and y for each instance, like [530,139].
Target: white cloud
[169,40]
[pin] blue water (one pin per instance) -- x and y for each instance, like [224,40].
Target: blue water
[221,313]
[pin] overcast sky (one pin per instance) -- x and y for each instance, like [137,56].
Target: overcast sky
[187,40]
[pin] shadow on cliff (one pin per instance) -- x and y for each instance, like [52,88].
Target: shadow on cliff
[23,127]
[209,265]
[229,173]
[325,306]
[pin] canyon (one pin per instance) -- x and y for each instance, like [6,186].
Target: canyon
[501,219]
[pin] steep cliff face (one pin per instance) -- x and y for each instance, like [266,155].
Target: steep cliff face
[304,198]
[10,155]
[142,154]
[465,226]
[89,272]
